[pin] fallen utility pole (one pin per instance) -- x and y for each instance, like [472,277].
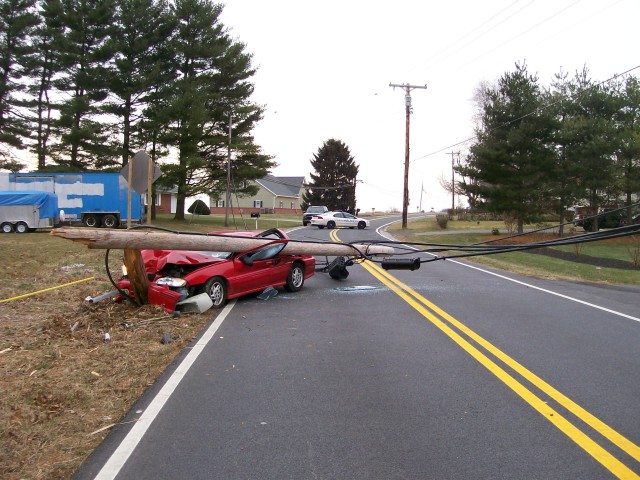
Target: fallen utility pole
[98,238]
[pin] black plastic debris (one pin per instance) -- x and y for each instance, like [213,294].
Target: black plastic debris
[268,293]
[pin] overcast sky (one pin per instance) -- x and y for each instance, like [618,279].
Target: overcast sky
[324,70]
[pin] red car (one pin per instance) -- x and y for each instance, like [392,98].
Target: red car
[176,275]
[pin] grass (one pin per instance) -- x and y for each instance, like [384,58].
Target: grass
[624,249]
[60,380]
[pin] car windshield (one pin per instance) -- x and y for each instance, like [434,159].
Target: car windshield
[315,210]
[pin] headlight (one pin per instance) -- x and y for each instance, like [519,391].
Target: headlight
[172,282]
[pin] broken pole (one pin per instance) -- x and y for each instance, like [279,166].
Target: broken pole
[98,238]
[137,275]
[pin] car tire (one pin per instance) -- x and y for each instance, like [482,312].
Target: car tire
[6,227]
[320,227]
[91,221]
[216,288]
[295,279]
[110,221]
[304,224]
[21,227]
[331,224]
[362,225]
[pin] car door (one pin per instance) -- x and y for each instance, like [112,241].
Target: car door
[348,220]
[259,269]
[339,219]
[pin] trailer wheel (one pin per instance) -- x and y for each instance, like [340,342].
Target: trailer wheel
[6,227]
[21,227]
[90,221]
[110,221]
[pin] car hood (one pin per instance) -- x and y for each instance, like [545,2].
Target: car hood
[156,260]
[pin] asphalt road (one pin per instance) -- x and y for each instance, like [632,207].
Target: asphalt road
[446,372]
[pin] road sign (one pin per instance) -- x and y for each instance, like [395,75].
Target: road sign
[140,172]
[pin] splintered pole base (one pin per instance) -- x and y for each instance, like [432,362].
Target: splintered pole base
[137,275]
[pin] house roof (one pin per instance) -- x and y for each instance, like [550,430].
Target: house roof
[282,186]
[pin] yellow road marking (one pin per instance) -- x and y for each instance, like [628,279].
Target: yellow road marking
[418,302]
[616,438]
[580,438]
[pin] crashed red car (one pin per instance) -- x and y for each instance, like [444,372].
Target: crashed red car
[177,275]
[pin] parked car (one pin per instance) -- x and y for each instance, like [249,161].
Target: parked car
[607,218]
[176,275]
[338,219]
[312,210]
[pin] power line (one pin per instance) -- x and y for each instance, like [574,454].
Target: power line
[571,97]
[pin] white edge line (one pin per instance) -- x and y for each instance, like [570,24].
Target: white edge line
[126,447]
[576,300]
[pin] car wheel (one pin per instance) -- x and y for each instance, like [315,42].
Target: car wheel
[6,227]
[362,225]
[21,227]
[304,224]
[216,288]
[295,279]
[331,224]
[320,227]
[90,221]
[110,221]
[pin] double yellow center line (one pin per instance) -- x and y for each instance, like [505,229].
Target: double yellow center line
[458,332]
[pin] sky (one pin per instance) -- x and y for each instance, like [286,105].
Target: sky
[324,70]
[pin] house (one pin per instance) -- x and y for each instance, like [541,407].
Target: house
[275,195]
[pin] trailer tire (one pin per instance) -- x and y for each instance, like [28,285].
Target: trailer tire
[6,227]
[110,221]
[21,227]
[91,221]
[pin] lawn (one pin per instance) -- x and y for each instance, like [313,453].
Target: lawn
[575,268]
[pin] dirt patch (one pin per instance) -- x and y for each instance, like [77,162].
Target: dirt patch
[585,259]
[64,383]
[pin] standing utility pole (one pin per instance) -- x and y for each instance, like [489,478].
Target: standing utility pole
[228,196]
[453,182]
[407,100]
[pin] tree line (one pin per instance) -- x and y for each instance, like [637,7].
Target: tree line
[84,84]
[546,149]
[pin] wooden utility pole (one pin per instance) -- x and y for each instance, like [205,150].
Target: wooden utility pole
[136,239]
[453,182]
[228,196]
[407,99]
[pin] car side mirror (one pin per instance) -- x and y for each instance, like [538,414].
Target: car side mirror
[247,260]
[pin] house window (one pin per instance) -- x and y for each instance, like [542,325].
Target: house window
[220,203]
[257,204]
[157,199]
[281,204]
[293,205]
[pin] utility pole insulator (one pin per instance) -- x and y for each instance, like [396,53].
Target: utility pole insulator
[407,100]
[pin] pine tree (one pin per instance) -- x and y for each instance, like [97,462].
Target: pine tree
[45,62]
[212,83]
[18,20]
[85,141]
[139,44]
[334,180]
[509,165]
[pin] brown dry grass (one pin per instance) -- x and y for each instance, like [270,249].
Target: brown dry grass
[58,384]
